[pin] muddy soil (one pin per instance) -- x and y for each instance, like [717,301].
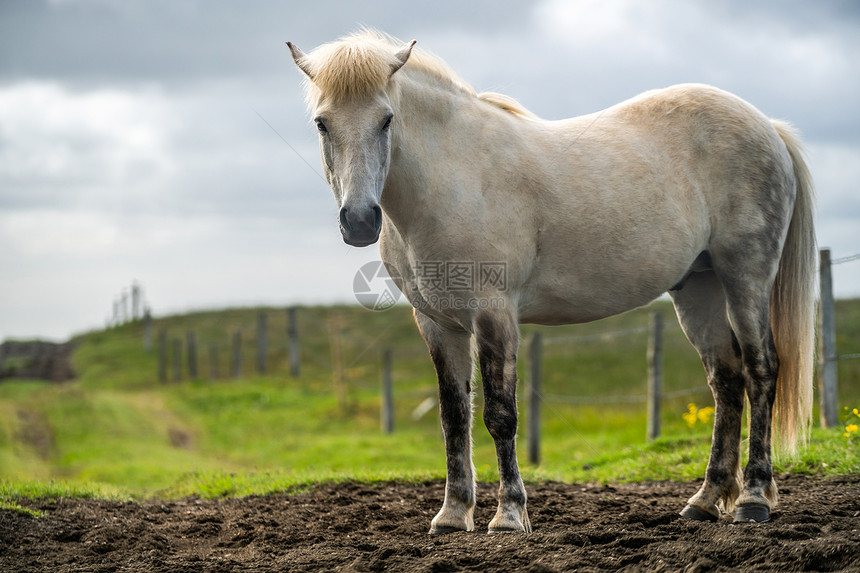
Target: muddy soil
[356,527]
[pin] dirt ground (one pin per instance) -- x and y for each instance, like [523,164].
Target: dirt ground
[355,527]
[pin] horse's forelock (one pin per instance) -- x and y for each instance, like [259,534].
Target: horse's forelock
[352,67]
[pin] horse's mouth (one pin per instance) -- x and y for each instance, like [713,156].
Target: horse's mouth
[359,241]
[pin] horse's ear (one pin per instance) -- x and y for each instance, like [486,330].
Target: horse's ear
[299,59]
[402,55]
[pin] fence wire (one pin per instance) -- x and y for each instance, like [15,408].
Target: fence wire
[596,336]
[632,399]
[847,259]
[597,400]
[839,261]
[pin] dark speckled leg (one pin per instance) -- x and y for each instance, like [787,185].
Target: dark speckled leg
[497,339]
[701,308]
[452,358]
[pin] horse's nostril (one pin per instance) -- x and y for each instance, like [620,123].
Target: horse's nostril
[344,222]
[377,216]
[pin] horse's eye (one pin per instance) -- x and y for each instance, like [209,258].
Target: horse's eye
[387,123]
[321,126]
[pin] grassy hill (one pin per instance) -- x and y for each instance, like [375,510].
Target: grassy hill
[118,430]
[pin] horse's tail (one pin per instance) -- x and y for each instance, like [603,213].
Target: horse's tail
[792,308]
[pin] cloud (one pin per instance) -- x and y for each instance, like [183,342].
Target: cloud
[177,43]
[58,147]
[186,190]
[836,170]
[144,151]
[130,145]
[772,58]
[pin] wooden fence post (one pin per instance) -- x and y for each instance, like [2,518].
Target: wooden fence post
[293,341]
[387,393]
[535,358]
[177,359]
[191,345]
[237,354]
[135,301]
[147,331]
[124,307]
[337,360]
[162,355]
[655,374]
[828,377]
[262,342]
[213,361]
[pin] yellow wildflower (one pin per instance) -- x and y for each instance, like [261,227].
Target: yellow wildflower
[705,414]
[694,414]
[690,415]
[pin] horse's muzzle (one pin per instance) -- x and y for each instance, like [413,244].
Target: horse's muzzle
[360,227]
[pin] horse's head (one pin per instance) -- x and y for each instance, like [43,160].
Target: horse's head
[346,92]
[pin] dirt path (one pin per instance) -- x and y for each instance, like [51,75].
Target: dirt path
[353,527]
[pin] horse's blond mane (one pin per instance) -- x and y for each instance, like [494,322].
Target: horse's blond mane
[506,103]
[361,63]
[352,66]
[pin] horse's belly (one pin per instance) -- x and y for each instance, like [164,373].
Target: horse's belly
[556,298]
[556,310]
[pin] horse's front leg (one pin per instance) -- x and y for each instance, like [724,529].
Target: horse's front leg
[452,357]
[497,338]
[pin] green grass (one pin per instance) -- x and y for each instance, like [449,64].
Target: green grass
[118,432]
[13,491]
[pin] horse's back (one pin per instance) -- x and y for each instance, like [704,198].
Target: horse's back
[724,139]
[644,187]
[700,105]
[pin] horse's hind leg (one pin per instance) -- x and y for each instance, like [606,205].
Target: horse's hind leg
[452,356]
[748,292]
[497,337]
[701,308]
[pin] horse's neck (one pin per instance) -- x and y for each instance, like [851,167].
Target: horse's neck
[428,113]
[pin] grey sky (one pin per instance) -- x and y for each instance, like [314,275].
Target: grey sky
[131,148]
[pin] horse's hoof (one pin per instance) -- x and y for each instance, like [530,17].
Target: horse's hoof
[496,530]
[443,529]
[697,514]
[752,513]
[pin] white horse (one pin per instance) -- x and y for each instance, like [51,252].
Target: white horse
[488,217]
